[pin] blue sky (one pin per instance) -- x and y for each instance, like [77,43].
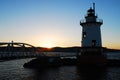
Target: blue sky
[56,22]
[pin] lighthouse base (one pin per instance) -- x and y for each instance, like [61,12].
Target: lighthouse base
[91,56]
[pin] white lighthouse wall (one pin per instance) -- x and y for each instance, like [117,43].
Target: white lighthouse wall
[93,32]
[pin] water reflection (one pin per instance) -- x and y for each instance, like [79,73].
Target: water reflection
[13,70]
[59,73]
[75,73]
[91,73]
[70,73]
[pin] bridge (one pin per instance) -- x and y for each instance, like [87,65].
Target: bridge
[13,50]
[9,50]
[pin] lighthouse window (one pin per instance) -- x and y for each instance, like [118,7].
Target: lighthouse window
[84,34]
[93,43]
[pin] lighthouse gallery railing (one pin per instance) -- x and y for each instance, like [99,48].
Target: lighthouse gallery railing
[97,20]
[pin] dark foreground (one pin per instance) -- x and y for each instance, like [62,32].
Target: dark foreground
[14,70]
[45,62]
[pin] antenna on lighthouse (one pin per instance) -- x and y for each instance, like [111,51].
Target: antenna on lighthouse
[94,7]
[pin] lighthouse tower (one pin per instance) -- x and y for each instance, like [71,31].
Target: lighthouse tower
[91,33]
[91,51]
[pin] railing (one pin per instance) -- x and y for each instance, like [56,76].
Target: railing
[60,54]
[97,20]
[82,21]
[17,54]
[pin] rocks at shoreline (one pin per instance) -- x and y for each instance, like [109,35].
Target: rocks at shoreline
[45,62]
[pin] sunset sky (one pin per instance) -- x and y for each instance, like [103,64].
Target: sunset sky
[47,23]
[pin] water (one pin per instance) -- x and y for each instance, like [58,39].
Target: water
[113,55]
[14,70]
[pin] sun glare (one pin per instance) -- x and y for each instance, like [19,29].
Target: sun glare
[48,45]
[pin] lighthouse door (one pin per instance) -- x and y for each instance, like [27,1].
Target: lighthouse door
[93,43]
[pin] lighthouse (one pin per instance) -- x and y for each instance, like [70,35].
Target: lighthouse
[91,32]
[91,51]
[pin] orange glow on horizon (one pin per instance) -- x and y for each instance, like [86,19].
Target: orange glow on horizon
[47,45]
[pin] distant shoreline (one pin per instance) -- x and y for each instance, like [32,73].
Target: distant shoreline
[71,49]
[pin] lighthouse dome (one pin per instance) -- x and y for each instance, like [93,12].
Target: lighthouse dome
[91,12]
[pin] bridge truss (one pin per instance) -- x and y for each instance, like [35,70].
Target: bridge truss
[16,50]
